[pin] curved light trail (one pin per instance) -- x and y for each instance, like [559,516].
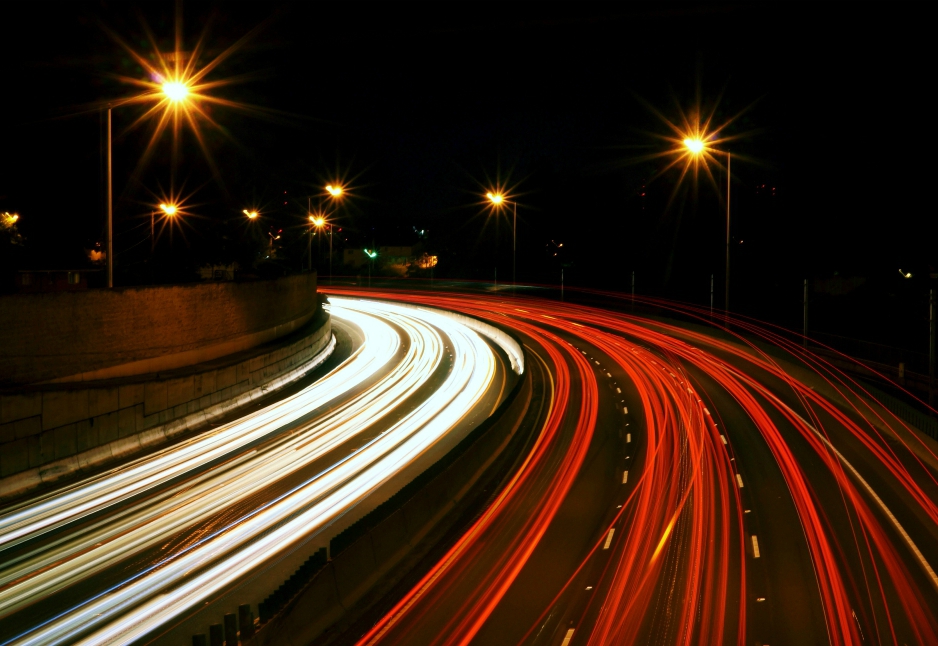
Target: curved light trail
[329,462]
[721,434]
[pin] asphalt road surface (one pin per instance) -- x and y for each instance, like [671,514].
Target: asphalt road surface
[120,556]
[692,483]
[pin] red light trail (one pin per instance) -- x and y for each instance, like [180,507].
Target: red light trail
[675,564]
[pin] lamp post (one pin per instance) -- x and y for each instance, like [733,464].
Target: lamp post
[697,147]
[336,192]
[317,222]
[497,199]
[173,91]
[169,211]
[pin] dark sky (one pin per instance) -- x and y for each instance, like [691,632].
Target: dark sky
[419,104]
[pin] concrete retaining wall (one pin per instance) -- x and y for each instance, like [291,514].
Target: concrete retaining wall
[47,432]
[104,334]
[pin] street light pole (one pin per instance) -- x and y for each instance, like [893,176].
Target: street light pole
[514,240]
[727,297]
[110,207]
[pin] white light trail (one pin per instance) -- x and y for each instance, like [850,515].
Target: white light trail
[218,559]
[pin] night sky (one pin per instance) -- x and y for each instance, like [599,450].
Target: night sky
[418,107]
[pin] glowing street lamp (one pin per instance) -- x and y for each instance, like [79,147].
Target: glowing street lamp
[175,92]
[498,199]
[317,222]
[252,214]
[335,190]
[697,147]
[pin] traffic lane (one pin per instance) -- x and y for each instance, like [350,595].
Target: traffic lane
[867,542]
[461,587]
[783,602]
[171,544]
[582,519]
[437,546]
[122,570]
[279,569]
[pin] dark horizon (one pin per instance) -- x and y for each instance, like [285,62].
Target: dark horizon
[419,106]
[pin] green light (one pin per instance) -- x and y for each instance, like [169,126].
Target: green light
[371,254]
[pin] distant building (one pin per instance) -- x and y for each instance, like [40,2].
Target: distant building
[218,272]
[34,281]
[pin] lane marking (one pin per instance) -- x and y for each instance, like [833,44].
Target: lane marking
[625,477]
[706,410]
[619,390]
[755,546]
[609,375]
[723,437]
[612,530]
[908,539]
[628,438]
[739,479]
[625,410]
[566,640]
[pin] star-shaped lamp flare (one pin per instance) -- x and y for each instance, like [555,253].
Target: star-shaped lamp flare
[335,190]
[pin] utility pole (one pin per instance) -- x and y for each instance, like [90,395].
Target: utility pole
[931,347]
[804,337]
[110,207]
[728,176]
[711,296]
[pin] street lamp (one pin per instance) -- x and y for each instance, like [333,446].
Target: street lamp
[336,192]
[497,199]
[697,147]
[169,211]
[317,222]
[252,214]
[174,92]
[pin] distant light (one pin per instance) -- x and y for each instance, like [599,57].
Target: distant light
[334,190]
[169,209]
[175,91]
[495,198]
[696,146]
[317,221]
[251,214]
[371,254]
[10,218]
[905,274]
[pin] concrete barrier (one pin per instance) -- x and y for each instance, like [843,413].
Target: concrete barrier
[51,431]
[109,333]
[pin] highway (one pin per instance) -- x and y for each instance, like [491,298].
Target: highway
[120,556]
[691,483]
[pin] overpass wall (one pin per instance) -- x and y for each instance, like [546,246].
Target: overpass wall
[110,333]
[52,430]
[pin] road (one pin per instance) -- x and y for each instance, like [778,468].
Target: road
[124,555]
[693,483]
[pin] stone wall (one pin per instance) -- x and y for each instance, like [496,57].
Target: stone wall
[103,334]
[49,431]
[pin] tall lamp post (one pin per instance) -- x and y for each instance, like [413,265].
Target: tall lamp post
[173,91]
[497,199]
[317,222]
[697,147]
[336,192]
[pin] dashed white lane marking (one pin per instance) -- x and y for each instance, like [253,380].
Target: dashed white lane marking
[908,539]
[625,409]
[619,390]
[625,477]
[706,410]
[739,479]
[755,546]
[612,530]
[567,638]
[608,374]
[723,437]
[628,438]
[596,362]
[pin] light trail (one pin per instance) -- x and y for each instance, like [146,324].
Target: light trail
[679,572]
[221,555]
